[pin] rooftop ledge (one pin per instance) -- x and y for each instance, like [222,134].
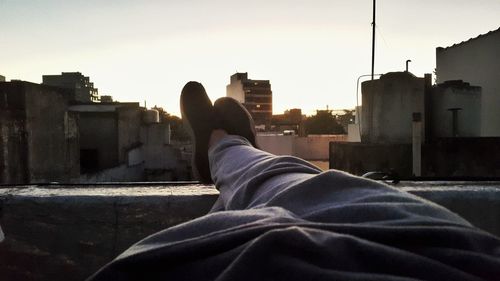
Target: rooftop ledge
[71,230]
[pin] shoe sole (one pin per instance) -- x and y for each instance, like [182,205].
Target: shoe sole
[198,116]
[235,119]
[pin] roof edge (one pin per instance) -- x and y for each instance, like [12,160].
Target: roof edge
[469,40]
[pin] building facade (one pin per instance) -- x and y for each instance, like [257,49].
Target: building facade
[39,137]
[84,90]
[476,61]
[412,128]
[46,137]
[455,108]
[255,95]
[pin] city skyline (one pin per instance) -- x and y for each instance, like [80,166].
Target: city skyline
[312,52]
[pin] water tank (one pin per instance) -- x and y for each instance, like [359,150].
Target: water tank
[388,105]
[151,116]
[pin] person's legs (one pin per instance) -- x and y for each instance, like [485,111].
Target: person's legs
[281,218]
[248,177]
[251,178]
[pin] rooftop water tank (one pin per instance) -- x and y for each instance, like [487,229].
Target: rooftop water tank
[151,116]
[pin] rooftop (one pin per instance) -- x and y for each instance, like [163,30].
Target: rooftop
[469,40]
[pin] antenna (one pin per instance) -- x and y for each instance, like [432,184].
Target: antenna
[373,40]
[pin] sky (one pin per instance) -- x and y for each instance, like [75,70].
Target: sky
[312,51]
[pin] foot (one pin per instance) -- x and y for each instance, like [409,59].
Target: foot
[235,119]
[198,114]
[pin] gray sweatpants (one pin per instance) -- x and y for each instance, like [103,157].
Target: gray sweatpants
[281,218]
[250,178]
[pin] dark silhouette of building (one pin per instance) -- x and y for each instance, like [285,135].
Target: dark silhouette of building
[290,120]
[45,136]
[413,128]
[106,99]
[84,90]
[2,78]
[39,141]
[255,95]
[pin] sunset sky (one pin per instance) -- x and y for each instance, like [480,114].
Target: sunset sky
[312,51]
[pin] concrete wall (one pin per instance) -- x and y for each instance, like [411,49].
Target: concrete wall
[52,135]
[476,61]
[158,154]
[39,137]
[316,147]
[388,105]
[456,95]
[361,158]
[474,157]
[13,142]
[312,147]
[276,144]
[129,130]
[444,157]
[99,132]
[67,233]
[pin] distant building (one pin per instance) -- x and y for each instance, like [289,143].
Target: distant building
[84,90]
[106,99]
[255,95]
[123,141]
[2,78]
[476,61]
[47,137]
[290,120]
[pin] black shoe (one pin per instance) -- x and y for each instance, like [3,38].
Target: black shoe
[198,114]
[233,117]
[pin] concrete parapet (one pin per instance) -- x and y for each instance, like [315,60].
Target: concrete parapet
[444,157]
[360,158]
[68,232]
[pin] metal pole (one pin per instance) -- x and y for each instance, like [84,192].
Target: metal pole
[417,144]
[407,62]
[373,40]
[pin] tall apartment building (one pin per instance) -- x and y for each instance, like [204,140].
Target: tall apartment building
[84,89]
[255,95]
